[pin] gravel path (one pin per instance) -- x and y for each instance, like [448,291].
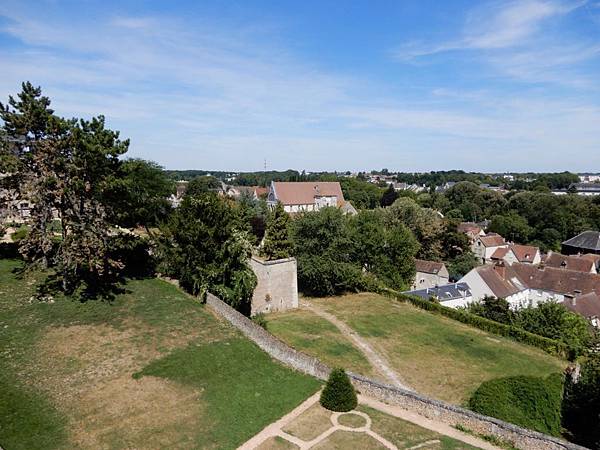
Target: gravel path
[276,428]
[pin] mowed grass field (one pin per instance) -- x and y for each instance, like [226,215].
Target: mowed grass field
[433,354]
[152,369]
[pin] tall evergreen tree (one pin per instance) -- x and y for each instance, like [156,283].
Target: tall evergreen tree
[63,168]
[277,243]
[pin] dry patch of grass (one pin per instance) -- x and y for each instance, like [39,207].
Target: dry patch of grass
[310,424]
[436,355]
[352,420]
[349,439]
[87,370]
[276,443]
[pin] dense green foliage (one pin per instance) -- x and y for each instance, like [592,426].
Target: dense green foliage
[338,253]
[385,250]
[338,394]
[322,245]
[63,167]
[549,319]
[202,184]
[550,346]
[530,402]
[581,406]
[140,194]
[277,243]
[205,246]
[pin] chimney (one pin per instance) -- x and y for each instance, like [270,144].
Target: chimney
[500,269]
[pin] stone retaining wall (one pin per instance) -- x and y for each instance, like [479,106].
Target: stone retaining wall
[433,409]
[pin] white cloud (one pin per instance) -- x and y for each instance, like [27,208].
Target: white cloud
[211,97]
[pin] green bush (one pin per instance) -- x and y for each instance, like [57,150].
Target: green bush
[548,345]
[527,401]
[19,234]
[260,320]
[338,394]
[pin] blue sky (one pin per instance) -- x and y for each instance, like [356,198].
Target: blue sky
[322,85]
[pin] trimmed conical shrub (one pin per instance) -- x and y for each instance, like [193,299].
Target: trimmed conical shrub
[338,394]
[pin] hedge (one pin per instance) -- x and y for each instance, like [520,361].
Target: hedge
[548,345]
[527,401]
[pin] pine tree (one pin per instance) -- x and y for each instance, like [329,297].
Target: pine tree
[338,394]
[277,244]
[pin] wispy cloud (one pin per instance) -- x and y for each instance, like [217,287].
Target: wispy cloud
[207,95]
[495,26]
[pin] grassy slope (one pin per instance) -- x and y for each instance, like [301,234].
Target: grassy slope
[434,354]
[318,337]
[155,315]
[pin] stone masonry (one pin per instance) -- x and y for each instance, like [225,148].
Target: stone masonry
[277,285]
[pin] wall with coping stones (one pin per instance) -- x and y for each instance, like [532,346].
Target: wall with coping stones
[433,409]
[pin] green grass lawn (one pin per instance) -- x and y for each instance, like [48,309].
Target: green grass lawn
[318,337]
[435,355]
[67,372]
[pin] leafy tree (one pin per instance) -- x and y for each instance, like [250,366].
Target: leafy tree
[64,166]
[426,224]
[277,244]
[202,184]
[581,405]
[389,196]
[512,226]
[553,320]
[254,214]
[338,393]
[462,264]
[323,248]
[493,308]
[140,194]
[203,244]
[362,194]
[385,251]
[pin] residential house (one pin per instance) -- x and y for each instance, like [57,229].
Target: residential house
[308,196]
[471,229]
[586,242]
[485,246]
[453,295]
[581,263]
[526,284]
[587,305]
[526,254]
[430,274]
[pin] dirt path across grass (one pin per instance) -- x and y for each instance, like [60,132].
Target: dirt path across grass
[376,360]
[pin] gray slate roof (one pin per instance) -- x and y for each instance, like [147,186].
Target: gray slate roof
[443,293]
[587,240]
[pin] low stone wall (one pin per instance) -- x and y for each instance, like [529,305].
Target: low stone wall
[411,401]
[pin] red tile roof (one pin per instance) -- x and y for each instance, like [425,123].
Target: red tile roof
[304,193]
[587,305]
[499,281]
[524,253]
[500,253]
[492,240]
[428,266]
[557,280]
[578,263]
